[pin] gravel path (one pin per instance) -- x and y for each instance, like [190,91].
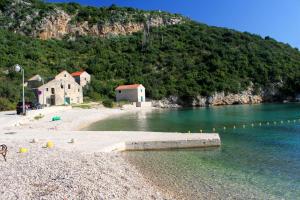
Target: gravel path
[57,174]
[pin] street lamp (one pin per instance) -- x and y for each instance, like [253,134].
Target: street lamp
[18,68]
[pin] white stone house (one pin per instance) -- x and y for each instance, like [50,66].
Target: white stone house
[62,90]
[132,93]
[82,78]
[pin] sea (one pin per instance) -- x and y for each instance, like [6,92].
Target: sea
[259,157]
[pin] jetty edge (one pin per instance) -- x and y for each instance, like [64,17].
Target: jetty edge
[160,142]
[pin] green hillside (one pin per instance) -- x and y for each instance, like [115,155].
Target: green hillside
[185,60]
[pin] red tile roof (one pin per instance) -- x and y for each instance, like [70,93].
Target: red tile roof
[128,87]
[77,73]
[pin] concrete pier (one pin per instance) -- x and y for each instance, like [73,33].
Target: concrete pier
[161,142]
[109,141]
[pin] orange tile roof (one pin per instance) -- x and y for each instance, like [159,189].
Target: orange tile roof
[128,87]
[77,73]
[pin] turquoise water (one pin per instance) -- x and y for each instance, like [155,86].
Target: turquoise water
[260,161]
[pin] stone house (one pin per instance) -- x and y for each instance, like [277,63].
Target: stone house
[82,78]
[34,82]
[132,93]
[63,89]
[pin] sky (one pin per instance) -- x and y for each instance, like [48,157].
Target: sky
[279,19]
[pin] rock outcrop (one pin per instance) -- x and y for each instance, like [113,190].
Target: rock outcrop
[171,102]
[47,21]
[59,25]
[218,98]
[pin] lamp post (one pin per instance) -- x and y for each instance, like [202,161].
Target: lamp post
[18,68]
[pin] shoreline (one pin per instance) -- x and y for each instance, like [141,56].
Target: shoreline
[72,119]
[29,172]
[94,145]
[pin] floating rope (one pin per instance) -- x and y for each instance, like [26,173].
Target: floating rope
[253,125]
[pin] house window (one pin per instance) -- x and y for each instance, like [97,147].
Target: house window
[47,89]
[52,91]
[78,90]
[61,86]
[65,75]
[69,86]
[141,90]
[120,91]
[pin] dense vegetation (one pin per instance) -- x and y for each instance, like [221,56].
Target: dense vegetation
[186,60]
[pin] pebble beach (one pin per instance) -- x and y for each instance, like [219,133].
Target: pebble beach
[60,173]
[45,173]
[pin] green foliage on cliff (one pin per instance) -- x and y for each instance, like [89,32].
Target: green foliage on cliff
[186,60]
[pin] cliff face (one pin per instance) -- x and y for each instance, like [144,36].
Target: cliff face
[47,21]
[59,25]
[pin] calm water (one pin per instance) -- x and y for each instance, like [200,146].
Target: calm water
[259,162]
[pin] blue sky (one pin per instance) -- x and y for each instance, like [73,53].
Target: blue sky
[279,19]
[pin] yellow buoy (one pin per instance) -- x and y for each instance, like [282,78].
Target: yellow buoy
[50,144]
[23,150]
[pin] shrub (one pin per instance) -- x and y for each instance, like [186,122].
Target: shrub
[6,105]
[108,103]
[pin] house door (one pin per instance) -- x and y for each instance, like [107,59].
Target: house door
[142,99]
[67,100]
[52,100]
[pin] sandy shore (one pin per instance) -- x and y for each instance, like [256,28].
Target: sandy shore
[64,172]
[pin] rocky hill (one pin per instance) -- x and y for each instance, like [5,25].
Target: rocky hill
[179,61]
[46,21]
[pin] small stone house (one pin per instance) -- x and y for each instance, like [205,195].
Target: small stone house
[132,93]
[62,90]
[34,82]
[82,78]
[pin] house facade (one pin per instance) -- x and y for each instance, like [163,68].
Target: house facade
[62,90]
[82,78]
[132,93]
